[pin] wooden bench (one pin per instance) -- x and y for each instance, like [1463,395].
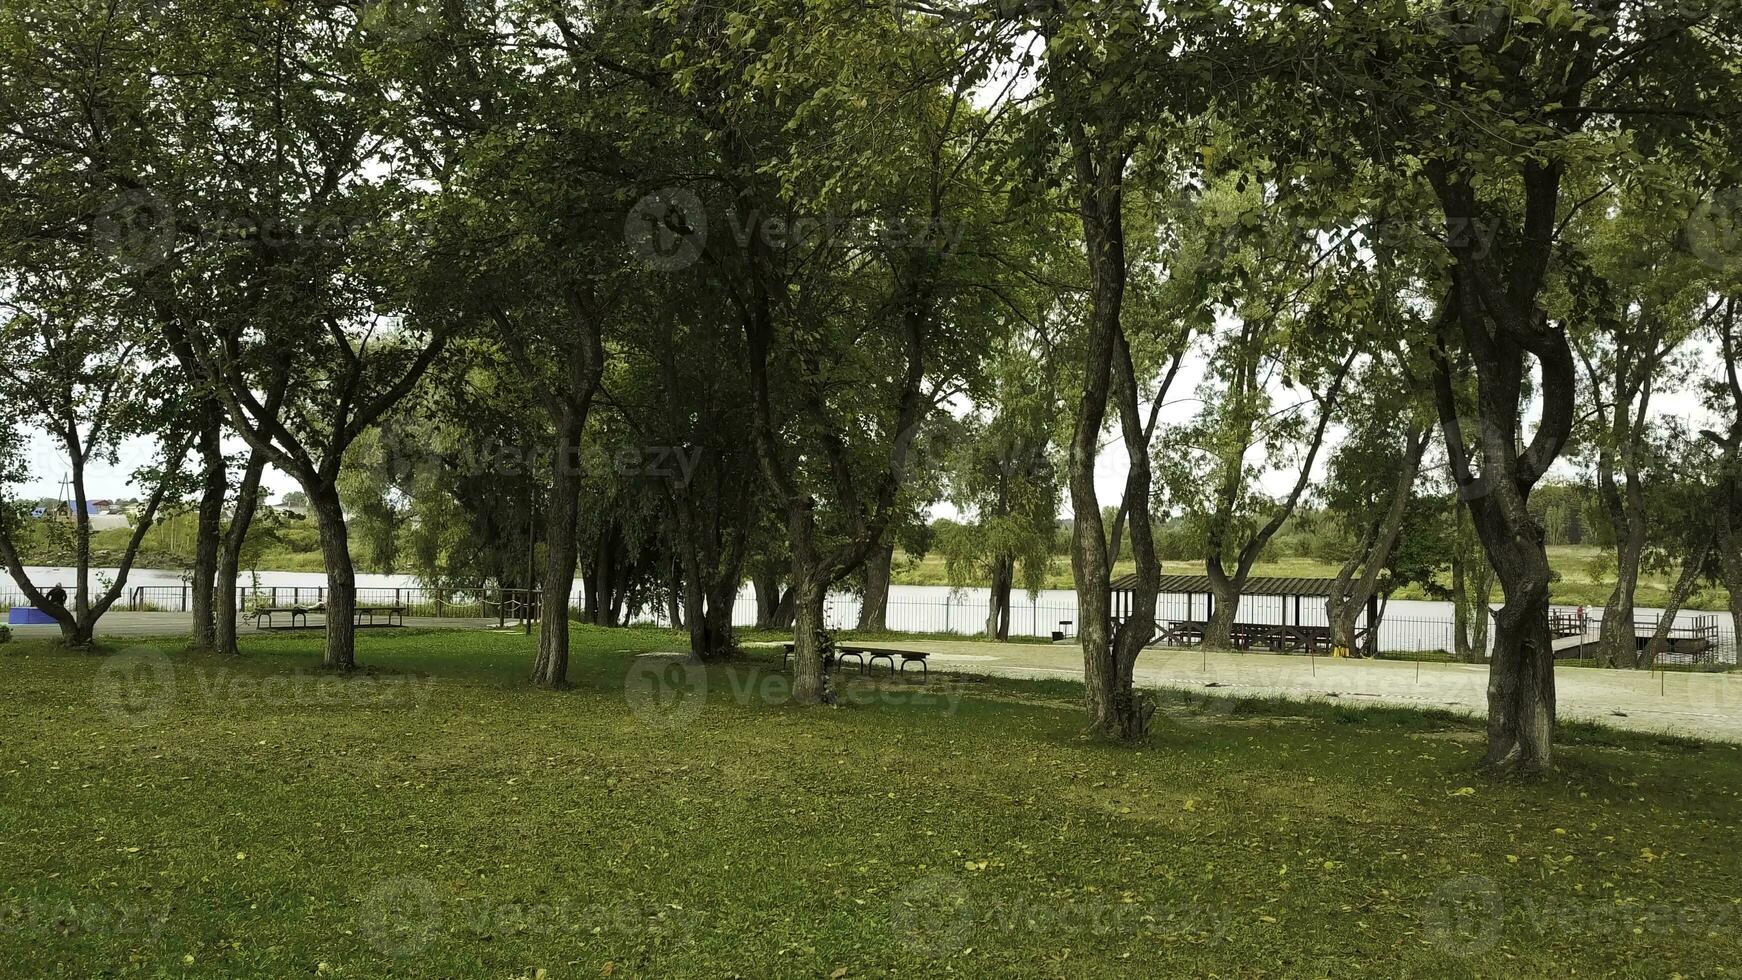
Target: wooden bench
[365,617]
[263,618]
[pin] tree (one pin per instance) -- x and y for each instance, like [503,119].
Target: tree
[1637,303]
[1295,304]
[1102,78]
[304,253]
[74,369]
[857,264]
[1527,106]
[1004,479]
[1373,479]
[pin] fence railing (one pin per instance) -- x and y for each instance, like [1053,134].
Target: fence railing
[962,614]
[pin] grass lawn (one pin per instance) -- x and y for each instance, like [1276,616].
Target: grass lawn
[163,814]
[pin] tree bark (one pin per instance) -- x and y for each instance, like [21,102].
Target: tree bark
[874,610]
[1472,593]
[774,604]
[1116,710]
[230,558]
[208,537]
[998,603]
[550,667]
[341,599]
[1617,645]
[810,684]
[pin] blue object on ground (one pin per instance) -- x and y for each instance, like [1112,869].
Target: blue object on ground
[28,616]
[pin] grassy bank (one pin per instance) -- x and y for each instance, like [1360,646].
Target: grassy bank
[170,815]
[1582,582]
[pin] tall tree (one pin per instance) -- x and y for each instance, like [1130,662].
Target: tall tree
[75,369]
[1525,102]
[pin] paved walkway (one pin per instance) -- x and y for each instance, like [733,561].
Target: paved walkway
[131,625]
[1705,705]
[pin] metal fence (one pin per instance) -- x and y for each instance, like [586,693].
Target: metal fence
[961,614]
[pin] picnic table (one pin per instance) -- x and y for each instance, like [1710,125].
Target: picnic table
[1292,638]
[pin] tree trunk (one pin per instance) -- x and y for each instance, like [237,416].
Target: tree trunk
[717,638]
[230,557]
[1616,642]
[809,682]
[1350,594]
[1219,628]
[1116,710]
[1730,566]
[1521,694]
[674,596]
[874,610]
[207,540]
[998,605]
[769,599]
[1678,597]
[341,603]
[550,668]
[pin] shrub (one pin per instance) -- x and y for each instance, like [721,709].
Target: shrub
[5,633]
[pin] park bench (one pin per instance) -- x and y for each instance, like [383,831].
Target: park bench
[366,617]
[868,657]
[264,618]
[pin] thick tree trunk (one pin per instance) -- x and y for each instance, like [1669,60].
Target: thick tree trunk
[341,603]
[874,610]
[998,605]
[717,635]
[1730,566]
[1521,692]
[1219,629]
[230,557]
[769,599]
[1616,643]
[208,536]
[550,668]
[809,682]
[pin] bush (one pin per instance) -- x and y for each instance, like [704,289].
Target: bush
[5,634]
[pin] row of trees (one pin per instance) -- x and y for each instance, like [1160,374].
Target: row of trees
[693,293]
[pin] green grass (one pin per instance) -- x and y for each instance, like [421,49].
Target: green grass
[433,816]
